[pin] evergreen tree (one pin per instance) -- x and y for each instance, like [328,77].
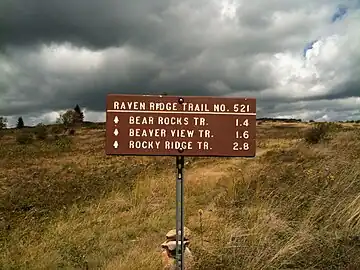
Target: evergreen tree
[20,123]
[79,115]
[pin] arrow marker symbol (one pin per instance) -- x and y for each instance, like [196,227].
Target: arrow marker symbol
[116,120]
[116,144]
[116,132]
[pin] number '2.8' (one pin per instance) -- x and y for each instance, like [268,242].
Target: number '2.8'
[239,146]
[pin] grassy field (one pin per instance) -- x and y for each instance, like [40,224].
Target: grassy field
[64,204]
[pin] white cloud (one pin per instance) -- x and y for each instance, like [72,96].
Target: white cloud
[332,110]
[59,58]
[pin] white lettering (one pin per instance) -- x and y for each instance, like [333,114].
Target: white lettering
[173,121]
[191,107]
[160,106]
[243,108]
[136,105]
[141,144]
[177,145]
[219,107]
[116,105]
[138,132]
[199,121]
[141,120]
[203,145]
[237,147]
[204,133]
[182,133]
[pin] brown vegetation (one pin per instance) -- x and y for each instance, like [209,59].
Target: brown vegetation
[65,205]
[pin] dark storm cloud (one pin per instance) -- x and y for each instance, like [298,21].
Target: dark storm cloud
[90,23]
[155,24]
[347,89]
[143,73]
[59,53]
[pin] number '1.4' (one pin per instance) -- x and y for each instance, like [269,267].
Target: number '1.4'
[240,123]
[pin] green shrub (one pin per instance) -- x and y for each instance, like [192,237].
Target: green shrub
[40,132]
[320,131]
[57,129]
[24,137]
[63,142]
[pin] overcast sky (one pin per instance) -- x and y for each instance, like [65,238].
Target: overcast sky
[55,54]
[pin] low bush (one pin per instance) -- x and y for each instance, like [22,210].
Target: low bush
[57,129]
[24,137]
[320,131]
[40,132]
[63,142]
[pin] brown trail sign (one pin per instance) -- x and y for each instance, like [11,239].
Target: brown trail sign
[197,126]
[180,126]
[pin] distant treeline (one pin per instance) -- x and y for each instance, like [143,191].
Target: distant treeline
[350,121]
[287,120]
[291,120]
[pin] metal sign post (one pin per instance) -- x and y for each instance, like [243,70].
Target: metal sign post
[180,213]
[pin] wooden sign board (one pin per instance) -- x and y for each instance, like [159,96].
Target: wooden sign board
[180,125]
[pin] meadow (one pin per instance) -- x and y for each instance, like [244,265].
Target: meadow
[64,204]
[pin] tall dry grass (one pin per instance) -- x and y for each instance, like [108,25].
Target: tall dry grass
[295,206]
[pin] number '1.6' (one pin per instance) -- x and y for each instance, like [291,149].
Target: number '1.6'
[242,135]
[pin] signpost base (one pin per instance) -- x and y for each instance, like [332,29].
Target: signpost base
[180,250]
